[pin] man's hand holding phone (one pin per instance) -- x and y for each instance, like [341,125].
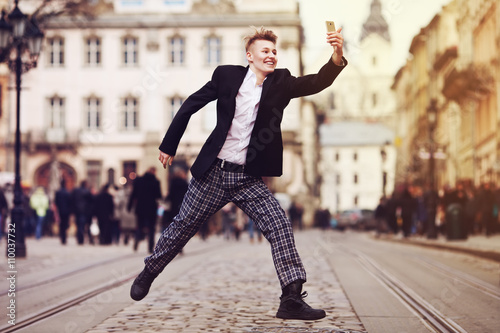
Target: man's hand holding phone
[335,39]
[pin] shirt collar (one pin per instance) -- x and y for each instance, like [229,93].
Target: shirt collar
[252,76]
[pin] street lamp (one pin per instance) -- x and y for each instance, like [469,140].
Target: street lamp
[432,197]
[18,36]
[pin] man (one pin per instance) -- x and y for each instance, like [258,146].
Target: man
[244,146]
[4,208]
[82,203]
[63,205]
[145,193]
[176,191]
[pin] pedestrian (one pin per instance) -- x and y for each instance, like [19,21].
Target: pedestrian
[104,209]
[4,209]
[487,208]
[252,230]
[471,209]
[145,195]
[295,212]
[62,201]
[408,208]
[176,191]
[228,220]
[81,201]
[115,221]
[245,146]
[380,216]
[39,202]
[391,207]
[127,220]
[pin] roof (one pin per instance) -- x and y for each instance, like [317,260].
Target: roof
[376,23]
[350,133]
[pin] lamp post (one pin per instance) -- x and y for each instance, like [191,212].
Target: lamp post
[18,36]
[432,197]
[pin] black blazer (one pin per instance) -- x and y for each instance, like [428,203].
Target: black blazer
[265,151]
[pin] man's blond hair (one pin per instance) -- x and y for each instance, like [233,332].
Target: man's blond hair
[259,34]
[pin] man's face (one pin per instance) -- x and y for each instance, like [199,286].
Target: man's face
[263,55]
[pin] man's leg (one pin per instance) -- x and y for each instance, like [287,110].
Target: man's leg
[80,228]
[203,198]
[259,204]
[262,207]
[151,235]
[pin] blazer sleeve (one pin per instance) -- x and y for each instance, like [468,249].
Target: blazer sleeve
[191,105]
[314,83]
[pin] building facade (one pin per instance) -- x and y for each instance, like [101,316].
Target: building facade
[455,63]
[361,99]
[106,89]
[357,160]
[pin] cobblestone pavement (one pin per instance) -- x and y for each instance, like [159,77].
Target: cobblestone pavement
[236,289]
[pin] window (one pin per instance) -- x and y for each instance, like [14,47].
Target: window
[93,51]
[111,176]
[56,112]
[175,104]
[130,51]
[355,157]
[374,99]
[331,101]
[338,179]
[356,200]
[213,49]
[129,171]
[210,116]
[374,61]
[337,157]
[55,50]
[177,50]
[94,174]
[130,113]
[355,178]
[93,113]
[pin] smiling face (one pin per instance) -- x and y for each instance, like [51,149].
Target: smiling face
[262,57]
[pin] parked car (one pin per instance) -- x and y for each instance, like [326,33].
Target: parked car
[367,220]
[348,218]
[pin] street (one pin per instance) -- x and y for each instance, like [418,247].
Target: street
[364,284]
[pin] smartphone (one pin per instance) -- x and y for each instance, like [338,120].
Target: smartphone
[330,26]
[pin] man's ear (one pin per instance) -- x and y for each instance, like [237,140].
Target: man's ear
[249,56]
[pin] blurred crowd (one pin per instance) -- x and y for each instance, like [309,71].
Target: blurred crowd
[94,217]
[121,214]
[455,212]
[135,212]
[413,210]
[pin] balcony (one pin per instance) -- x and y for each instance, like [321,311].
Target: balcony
[52,138]
[473,82]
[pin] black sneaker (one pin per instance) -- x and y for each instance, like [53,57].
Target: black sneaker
[141,285]
[292,305]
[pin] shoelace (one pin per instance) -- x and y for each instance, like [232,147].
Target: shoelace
[304,295]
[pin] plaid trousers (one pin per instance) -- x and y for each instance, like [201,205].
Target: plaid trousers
[205,196]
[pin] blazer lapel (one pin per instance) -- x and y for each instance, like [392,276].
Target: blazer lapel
[267,83]
[238,81]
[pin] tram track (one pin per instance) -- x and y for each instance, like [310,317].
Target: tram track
[60,307]
[430,317]
[68,302]
[69,274]
[462,277]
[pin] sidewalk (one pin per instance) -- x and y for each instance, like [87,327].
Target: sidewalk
[235,289]
[477,245]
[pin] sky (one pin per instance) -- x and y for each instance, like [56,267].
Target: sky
[405,19]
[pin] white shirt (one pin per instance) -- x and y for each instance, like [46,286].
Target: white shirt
[247,104]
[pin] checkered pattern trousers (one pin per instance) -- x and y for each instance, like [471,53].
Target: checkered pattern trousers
[205,196]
